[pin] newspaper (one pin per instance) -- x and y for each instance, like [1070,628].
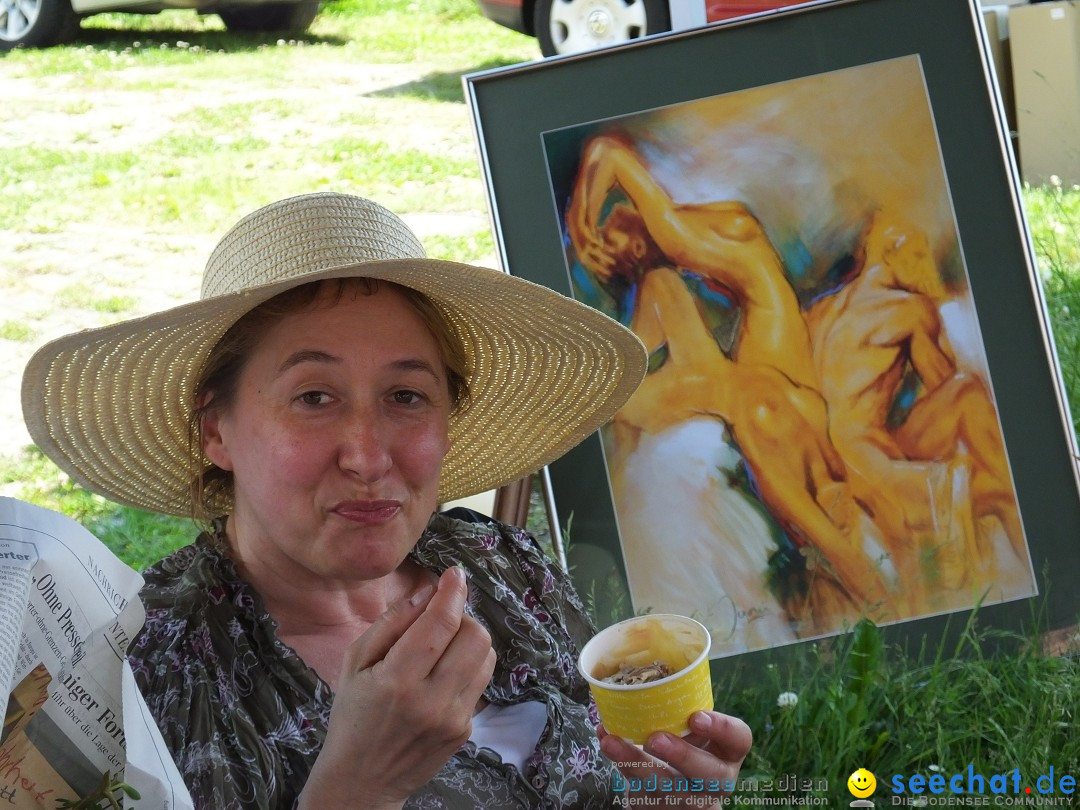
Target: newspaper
[69,610]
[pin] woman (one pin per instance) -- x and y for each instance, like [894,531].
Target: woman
[328,641]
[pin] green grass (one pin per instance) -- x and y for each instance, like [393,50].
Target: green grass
[137,537]
[455,247]
[216,160]
[16,330]
[88,296]
[1054,218]
[993,702]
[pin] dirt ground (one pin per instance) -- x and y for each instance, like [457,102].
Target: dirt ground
[161,269]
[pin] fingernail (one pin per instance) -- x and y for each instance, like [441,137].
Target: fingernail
[700,722]
[659,745]
[459,572]
[421,595]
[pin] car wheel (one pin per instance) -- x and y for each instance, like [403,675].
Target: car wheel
[36,23]
[569,26]
[293,18]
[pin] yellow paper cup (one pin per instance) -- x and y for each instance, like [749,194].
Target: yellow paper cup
[635,711]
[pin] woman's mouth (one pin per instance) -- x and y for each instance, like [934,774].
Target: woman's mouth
[369,512]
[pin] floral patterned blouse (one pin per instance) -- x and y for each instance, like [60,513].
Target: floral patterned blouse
[245,717]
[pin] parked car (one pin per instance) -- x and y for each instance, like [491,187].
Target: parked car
[39,23]
[569,26]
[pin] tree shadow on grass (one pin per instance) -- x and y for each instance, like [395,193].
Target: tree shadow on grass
[445,86]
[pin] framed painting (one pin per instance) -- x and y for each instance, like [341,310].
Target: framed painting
[813,222]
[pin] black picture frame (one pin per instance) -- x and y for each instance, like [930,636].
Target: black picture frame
[515,110]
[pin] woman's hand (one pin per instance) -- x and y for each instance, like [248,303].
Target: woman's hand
[405,701]
[713,753]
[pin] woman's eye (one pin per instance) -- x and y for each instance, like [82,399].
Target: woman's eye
[314,398]
[407,397]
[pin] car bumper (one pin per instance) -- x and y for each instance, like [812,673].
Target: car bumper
[508,13]
[154,6]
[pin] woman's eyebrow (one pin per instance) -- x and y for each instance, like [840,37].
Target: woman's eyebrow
[315,356]
[307,356]
[417,365]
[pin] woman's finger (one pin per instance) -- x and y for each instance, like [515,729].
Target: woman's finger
[624,753]
[730,737]
[463,658]
[426,639]
[727,742]
[378,639]
[481,677]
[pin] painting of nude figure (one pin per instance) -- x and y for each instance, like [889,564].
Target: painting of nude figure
[816,438]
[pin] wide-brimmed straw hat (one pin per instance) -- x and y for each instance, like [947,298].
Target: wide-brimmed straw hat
[111,406]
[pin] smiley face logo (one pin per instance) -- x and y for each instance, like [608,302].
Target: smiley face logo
[862,783]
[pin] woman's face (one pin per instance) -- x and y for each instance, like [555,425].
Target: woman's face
[336,437]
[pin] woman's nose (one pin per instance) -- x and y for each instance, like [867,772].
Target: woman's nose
[365,451]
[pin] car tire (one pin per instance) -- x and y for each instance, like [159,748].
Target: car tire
[36,23]
[291,18]
[570,26]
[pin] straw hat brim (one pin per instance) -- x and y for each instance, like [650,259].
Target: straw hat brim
[111,405]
